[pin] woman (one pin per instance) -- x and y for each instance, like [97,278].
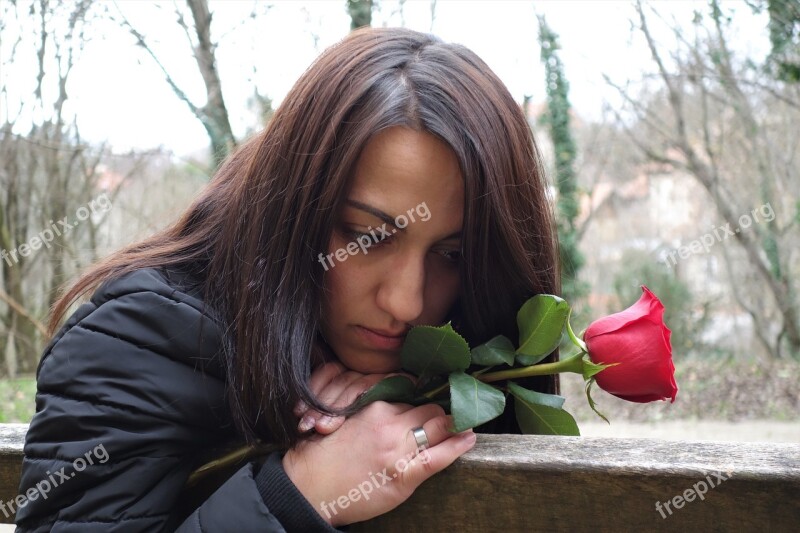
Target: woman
[398,184]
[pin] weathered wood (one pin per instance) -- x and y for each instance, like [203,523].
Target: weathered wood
[12,439]
[540,483]
[535,483]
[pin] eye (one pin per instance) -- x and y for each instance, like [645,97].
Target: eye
[375,238]
[452,256]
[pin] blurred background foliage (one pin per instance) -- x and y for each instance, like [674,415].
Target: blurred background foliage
[705,137]
[685,314]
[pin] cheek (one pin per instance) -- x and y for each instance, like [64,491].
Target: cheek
[345,283]
[337,304]
[441,293]
[335,277]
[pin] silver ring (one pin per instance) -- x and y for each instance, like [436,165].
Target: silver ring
[421,437]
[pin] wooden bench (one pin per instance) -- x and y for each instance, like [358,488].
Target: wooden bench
[513,483]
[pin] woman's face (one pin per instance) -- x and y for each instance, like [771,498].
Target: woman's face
[393,260]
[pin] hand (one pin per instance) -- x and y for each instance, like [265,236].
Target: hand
[336,387]
[370,465]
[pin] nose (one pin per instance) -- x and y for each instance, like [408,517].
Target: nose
[402,287]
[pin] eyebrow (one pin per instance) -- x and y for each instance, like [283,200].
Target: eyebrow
[374,211]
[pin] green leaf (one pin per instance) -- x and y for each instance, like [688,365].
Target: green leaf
[541,414]
[541,321]
[498,350]
[432,350]
[430,383]
[528,360]
[391,389]
[473,402]
[540,398]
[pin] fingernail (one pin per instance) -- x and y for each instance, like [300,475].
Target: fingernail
[306,423]
[326,420]
[470,437]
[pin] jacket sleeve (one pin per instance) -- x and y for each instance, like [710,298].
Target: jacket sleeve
[129,395]
[277,500]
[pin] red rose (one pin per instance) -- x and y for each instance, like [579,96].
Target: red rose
[638,340]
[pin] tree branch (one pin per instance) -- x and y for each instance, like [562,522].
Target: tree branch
[13,304]
[140,40]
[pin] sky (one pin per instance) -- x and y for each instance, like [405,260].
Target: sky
[120,96]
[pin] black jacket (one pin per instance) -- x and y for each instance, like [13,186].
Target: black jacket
[130,401]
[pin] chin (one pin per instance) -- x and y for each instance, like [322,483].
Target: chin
[369,364]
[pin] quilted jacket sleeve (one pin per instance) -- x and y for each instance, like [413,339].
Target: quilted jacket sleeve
[130,393]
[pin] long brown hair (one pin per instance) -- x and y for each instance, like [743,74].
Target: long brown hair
[253,235]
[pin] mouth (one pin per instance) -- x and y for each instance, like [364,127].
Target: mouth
[382,339]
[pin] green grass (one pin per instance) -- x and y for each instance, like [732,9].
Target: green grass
[17,400]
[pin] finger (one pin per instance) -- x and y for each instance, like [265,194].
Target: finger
[437,429]
[328,396]
[320,377]
[328,424]
[418,416]
[436,458]
[324,375]
[300,408]
[333,390]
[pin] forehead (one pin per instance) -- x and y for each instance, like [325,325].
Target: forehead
[400,165]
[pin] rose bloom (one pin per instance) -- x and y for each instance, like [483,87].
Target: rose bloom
[638,341]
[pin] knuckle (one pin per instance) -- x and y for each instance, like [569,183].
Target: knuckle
[428,469]
[379,409]
[340,378]
[346,379]
[442,424]
[431,411]
[439,411]
[335,367]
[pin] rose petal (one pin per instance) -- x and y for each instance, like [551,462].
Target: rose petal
[638,341]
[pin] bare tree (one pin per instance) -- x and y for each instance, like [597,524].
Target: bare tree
[720,119]
[45,173]
[213,114]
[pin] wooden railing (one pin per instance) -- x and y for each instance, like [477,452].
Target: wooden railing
[511,483]
[12,438]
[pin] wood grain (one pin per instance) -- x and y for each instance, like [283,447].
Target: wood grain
[543,483]
[12,439]
[514,483]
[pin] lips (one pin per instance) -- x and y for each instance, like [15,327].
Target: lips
[386,333]
[382,339]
